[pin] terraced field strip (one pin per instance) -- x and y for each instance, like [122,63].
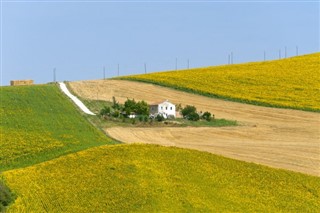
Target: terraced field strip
[289,83]
[276,137]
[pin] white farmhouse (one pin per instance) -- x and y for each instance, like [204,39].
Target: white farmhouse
[165,108]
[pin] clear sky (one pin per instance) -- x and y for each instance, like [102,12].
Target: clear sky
[79,38]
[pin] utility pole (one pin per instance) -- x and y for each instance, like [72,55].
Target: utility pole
[188,64]
[145,68]
[228,58]
[54,74]
[264,55]
[279,53]
[118,69]
[285,52]
[297,51]
[104,73]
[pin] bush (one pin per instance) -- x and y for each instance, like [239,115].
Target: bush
[115,104]
[206,116]
[145,119]
[133,121]
[160,118]
[6,197]
[187,110]
[193,116]
[116,114]
[105,111]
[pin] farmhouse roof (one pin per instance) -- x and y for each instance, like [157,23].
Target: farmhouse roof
[160,102]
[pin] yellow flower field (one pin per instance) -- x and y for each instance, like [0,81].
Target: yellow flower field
[289,83]
[149,178]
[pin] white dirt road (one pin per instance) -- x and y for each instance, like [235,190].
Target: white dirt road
[65,90]
[280,138]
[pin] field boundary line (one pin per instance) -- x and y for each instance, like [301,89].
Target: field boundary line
[79,103]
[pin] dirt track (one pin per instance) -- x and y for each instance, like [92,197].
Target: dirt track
[279,138]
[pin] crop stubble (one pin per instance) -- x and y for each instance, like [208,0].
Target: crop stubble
[280,138]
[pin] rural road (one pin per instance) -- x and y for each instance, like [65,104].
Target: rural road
[279,138]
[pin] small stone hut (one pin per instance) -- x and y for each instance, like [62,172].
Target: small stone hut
[21,82]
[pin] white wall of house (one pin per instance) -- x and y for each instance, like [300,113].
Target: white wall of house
[165,108]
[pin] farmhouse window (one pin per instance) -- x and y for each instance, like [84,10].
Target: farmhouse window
[161,107]
[166,108]
[170,108]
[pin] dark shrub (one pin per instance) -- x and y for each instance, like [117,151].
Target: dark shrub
[145,118]
[187,110]
[193,116]
[133,121]
[116,114]
[206,116]
[6,197]
[160,118]
[105,111]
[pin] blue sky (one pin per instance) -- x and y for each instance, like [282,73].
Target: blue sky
[79,38]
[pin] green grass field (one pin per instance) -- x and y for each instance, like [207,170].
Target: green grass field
[287,83]
[149,178]
[38,123]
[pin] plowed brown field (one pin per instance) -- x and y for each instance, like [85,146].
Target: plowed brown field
[280,138]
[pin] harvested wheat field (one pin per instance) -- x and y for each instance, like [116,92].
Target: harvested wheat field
[280,138]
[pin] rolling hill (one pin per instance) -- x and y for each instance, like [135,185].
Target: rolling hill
[148,178]
[287,83]
[39,123]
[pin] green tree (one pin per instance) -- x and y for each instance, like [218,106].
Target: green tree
[193,116]
[187,110]
[115,104]
[105,111]
[142,108]
[206,116]
[130,106]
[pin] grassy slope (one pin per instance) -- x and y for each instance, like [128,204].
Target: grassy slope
[288,83]
[148,178]
[38,123]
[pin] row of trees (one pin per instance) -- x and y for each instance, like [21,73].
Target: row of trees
[190,113]
[141,108]
[130,107]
